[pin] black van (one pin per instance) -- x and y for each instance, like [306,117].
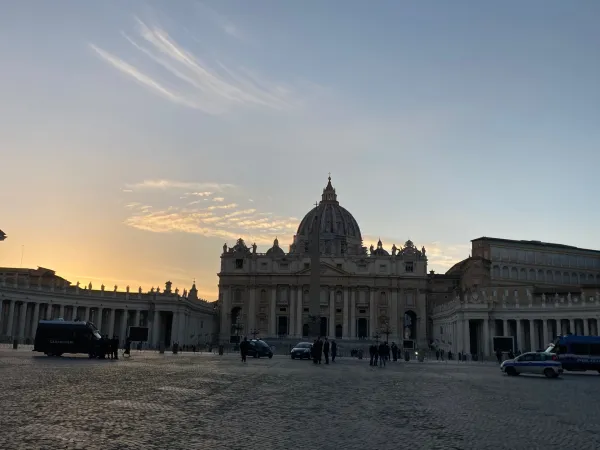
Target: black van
[55,337]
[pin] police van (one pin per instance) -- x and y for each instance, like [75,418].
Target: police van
[577,353]
[55,337]
[538,363]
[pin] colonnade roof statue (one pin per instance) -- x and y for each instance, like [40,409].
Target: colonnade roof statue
[2,235]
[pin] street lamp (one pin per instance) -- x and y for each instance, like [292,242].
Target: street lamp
[387,331]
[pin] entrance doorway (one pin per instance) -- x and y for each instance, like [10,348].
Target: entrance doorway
[323,329]
[282,326]
[362,328]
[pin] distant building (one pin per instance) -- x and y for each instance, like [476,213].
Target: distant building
[30,295]
[529,290]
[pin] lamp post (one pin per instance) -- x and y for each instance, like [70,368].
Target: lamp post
[387,331]
[238,327]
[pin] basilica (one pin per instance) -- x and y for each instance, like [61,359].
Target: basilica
[528,291]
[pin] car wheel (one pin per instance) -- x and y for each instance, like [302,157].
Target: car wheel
[549,373]
[511,371]
[270,356]
[293,357]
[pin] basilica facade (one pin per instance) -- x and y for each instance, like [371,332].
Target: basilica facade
[366,293]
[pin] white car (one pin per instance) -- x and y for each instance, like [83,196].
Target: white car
[538,363]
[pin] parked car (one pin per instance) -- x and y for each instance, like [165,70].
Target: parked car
[302,350]
[538,363]
[259,348]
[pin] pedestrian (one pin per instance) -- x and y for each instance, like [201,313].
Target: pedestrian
[394,351]
[371,354]
[326,350]
[313,352]
[382,354]
[333,350]
[244,349]
[499,356]
[319,350]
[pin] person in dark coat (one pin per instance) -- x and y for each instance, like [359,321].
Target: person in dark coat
[382,354]
[244,349]
[326,350]
[333,350]
[319,350]
[394,351]
[115,347]
[371,354]
[313,352]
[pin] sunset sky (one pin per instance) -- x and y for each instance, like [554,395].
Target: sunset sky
[137,137]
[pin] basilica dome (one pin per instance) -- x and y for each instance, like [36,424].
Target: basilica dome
[339,232]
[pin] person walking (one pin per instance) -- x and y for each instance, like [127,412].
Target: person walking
[244,349]
[326,350]
[333,350]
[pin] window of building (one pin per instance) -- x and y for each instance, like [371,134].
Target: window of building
[283,265]
[339,266]
[362,311]
[338,310]
[382,268]
[408,267]
[263,265]
[307,265]
[239,263]
[362,267]
[282,309]
[305,310]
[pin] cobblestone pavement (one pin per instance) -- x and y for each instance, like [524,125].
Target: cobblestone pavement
[208,402]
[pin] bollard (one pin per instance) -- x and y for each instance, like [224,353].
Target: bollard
[406,356]
[221,350]
[161,348]
[15,344]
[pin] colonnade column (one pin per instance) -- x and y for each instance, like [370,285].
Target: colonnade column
[458,332]
[61,312]
[22,315]
[272,318]
[111,323]
[331,320]
[11,317]
[545,332]
[532,335]
[123,327]
[572,326]
[467,338]
[586,327]
[36,319]
[345,315]
[505,330]
[353,314]
[292,309]
[372,314]
[486,337]
[520,341]
[299,313]
[225,330]
[136,321]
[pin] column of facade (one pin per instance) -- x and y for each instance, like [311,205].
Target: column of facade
[136,321]
[345,315]
[61,312]
[520,340]
[532,335]
[157,327]
[183,332]
[111,323]
[225,329]
[272,318]
[505,330]
[372,314]
[299,312]
[22,316]
[292,324]
[545,333]
[353,314]
[251,322]
[331,321]
[586,327]
[35,320]
[394,314]
[458,332]
[486,337]
[86,314]
[11,318]
[98,319]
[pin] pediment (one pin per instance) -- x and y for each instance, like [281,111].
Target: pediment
[325,270]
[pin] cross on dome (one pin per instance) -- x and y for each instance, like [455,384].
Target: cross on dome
[329,194]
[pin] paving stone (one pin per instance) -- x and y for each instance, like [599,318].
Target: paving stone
[153,401]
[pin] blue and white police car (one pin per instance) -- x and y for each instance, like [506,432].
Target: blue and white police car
[537,363]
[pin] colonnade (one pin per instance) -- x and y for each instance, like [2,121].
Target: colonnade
[19,319]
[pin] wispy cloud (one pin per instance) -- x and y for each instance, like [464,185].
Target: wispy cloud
[190,82]
[218,199]
[198,189]
[226,25]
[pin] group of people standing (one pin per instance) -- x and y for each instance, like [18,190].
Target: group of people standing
[381,353]
[322,348]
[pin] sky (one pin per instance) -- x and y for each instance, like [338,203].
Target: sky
[138,137]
